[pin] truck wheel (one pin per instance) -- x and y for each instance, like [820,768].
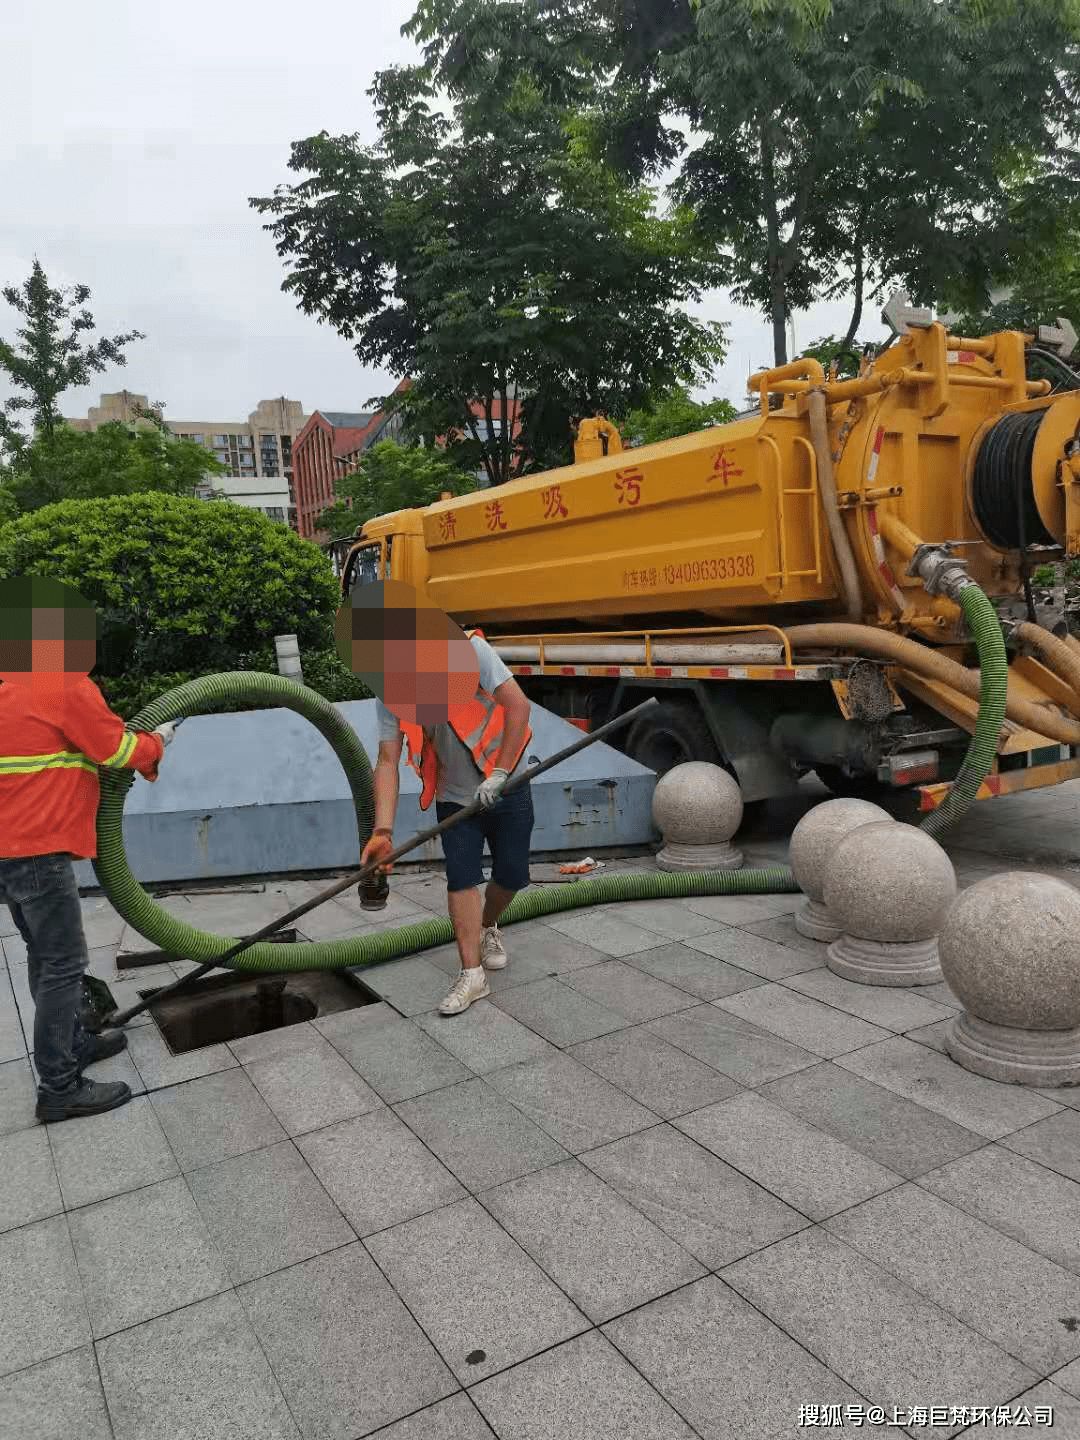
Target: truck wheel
[900,802]
[671,735]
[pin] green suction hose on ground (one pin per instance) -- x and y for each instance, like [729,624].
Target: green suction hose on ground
[174,936]
[983,623]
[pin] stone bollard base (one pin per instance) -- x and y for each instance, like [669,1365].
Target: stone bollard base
[879,962]
[719,856]
[1017,1057]
[813,921]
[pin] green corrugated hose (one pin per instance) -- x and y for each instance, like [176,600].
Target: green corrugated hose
[177,938]
[985,628]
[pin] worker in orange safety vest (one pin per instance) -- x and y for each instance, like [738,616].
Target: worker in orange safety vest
[55,731]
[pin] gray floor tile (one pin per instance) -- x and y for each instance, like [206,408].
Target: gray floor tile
[561,1015]
[891,1345]
[18,1096]
[1034,1205]
[994,1284]
[118,1067]
[102,925]
[484,1037]
[107,1154]
[143,1254]
[890,1129]
[1054,1142]
[55,1400]
[629,991]
[889,1006]
[754,954]
[723,1366]
[519,971]
[604,930]
[744,909]
[809,1170]
[412,985]
[781,930]
[933,1036]
[159,1067]
[700,975]
[28,1188]
[214,1117]
[816,1027]
[537,943]
[1069,1378]
[941,995]
[377,1172]
[735,1047]
[396,1058]
[266,1210]
[1046,1396]
[473,1290]
[985,1106]
[655,1074]
[12,1040]
[453,1419]
[713,1211]
[582,1390]
[674,919]
[601,1250]
[309,1085]
[42,1311]
[197,1372]
[348,1355]
[570,1103]
[478,1135]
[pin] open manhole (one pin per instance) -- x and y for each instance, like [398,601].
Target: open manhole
[230,1006]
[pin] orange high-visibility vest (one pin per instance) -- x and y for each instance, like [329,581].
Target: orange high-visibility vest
[479,727]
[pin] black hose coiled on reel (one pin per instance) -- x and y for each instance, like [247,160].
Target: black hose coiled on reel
[1001,490]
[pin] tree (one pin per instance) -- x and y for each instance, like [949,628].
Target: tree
[392,477]
[182,588]
[482,248]
[115,459]
[49,356]
[672,414]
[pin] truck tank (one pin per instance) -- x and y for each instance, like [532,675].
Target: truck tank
[776,517]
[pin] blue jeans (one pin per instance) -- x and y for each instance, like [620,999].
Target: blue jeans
[41,893]
[507,828]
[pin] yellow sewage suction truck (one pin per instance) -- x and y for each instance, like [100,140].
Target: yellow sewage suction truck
[836,581]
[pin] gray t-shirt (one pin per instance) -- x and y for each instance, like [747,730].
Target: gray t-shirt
[458,775]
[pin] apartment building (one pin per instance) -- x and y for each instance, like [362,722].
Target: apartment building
[257,453]
[329,448]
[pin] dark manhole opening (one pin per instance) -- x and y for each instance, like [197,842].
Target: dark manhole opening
[230,1006]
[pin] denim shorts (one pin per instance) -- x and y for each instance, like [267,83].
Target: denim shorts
[507,828]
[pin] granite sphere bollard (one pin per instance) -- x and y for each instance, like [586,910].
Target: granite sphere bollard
[697,808]
[888,886]
[813,840]
[1010,950]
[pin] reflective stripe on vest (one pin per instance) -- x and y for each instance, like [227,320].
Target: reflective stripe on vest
[68,759]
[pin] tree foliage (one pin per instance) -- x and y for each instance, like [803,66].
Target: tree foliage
[392,477]
[115,459]
[50,355]
[182,588]
[483,247]
[672,414]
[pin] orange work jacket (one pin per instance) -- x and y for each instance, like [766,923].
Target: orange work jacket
[479,727]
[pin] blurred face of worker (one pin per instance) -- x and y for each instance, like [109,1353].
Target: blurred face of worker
[409,653]
[48,634]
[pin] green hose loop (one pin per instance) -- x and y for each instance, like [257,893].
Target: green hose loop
[176,937]
[983,623]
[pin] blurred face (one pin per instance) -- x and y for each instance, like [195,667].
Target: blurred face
[47,634]
[409,653]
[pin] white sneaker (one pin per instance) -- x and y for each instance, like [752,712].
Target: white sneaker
[470,985]
[492,954]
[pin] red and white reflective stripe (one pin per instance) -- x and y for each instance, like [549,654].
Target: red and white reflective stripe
[884,568]
[875,456]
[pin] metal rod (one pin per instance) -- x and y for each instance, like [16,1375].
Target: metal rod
[122,1017]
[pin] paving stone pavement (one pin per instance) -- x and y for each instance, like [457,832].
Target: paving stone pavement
[673,1180]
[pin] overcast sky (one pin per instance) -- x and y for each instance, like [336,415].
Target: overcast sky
[132,135]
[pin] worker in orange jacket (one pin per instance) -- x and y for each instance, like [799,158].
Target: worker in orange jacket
[55,730]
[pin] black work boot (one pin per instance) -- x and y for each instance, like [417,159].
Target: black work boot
[88,1098]
[103,1045]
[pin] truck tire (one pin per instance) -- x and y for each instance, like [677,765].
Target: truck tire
[671,735]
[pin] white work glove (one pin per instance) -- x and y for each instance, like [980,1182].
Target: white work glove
[166,731]
[492,788]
